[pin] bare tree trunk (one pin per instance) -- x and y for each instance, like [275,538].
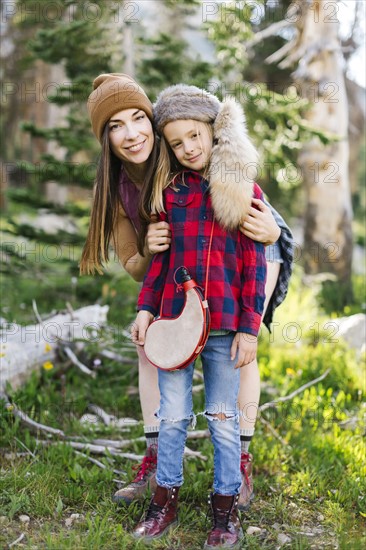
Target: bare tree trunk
[356,130]
[129,50]
[54,191]
[320,76]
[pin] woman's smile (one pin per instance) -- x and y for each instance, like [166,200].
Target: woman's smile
[137,147]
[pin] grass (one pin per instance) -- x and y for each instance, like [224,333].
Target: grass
[310,487]
[309,470]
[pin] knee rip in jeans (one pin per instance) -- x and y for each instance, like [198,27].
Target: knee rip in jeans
[192,419]
[220,417]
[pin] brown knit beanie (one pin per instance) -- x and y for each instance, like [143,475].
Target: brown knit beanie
[115,92]
[184,102]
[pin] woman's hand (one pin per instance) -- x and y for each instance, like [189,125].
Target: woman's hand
[140,326]
[158,236]
[245,345]
[260,224]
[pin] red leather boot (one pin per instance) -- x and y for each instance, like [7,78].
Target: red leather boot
[160,516]
[226,531]
[144,480]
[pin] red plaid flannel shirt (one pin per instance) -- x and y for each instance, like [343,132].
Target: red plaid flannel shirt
[237,268]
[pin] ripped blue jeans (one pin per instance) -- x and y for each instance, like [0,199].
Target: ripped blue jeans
[176,414]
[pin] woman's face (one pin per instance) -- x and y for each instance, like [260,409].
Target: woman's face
[131,135]
[191,142]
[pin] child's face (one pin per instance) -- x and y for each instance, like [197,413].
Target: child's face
[191,143]
[131,135]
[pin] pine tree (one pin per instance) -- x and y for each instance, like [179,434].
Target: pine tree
[166,58]
[79,42]
[72,36]
[72,41]
[274,109]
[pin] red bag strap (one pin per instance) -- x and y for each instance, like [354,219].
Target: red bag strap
[207,269]
[208,257]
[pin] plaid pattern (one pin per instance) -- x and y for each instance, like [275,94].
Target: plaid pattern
[237,267]
[286,243]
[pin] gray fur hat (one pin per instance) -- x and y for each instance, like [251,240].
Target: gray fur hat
[184,102]
[233,159]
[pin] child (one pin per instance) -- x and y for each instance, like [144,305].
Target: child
[209,139]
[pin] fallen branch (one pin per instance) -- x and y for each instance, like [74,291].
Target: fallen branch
[100,464]
[198,434]
[70,309]
[94,449]
[71,355]
[116,357]
[13,456]
[195,454]
[26,348]
[19,539]
[131,456]
[274,403]
[273,431]
[36,312]
[110,420]
[117,444]
[25,447]
[122,424]
[105,417]
[28,421]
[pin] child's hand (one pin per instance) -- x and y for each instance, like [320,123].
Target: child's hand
[246,346]
[139,327]
[158,236]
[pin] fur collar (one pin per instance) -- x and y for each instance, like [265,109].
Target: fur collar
[233,165]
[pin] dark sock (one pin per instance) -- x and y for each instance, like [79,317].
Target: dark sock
[151,435]
[246,436]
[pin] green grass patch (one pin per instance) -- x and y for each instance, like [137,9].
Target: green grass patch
[309,468]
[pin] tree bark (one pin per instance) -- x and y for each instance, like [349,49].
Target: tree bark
[320,78]
[356,130]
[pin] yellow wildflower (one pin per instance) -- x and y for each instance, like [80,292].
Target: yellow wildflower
[47,365]
[290,372]
[48,348]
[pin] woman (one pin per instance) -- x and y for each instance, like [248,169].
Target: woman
[121,116]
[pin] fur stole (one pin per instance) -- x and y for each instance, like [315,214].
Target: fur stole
[233,166]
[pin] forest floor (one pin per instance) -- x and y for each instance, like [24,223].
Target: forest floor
[309,452]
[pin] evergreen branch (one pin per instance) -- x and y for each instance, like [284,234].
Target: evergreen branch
[26,196]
